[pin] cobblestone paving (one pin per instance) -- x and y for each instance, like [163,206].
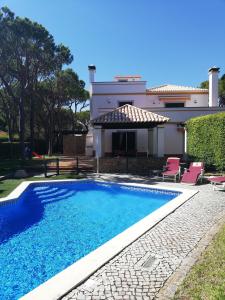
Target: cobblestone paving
[141,270]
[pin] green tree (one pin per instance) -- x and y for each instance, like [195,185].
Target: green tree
[73,91]
[83,118]
[63,90]
[8,113]
[204,85]
[222,86]
[28,54]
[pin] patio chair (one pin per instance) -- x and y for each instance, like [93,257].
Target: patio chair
[194,173]
[36,155]
[218,182]
[172,168]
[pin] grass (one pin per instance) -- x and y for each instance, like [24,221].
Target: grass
[206,279]
[8,185]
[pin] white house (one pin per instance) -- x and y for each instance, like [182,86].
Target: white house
[118,129]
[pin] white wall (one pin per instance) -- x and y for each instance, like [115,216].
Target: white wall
[142,140]
[196,100]
[103,104]
[201,99]
[174,140]
[183,114]
[109,101]
[119,87]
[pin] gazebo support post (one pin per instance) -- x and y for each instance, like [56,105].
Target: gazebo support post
[97,165]
[160,141]
[126,155]
[155,141]
[149,142]
[185,143]
[99,135]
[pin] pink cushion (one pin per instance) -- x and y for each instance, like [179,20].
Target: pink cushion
[218,179]
[190,177]
[171,172]
[192,174]
[172,164]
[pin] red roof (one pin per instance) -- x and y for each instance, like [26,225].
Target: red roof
[130,114]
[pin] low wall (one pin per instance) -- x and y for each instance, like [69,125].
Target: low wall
[132,165]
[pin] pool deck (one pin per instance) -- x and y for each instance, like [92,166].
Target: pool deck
[154,265]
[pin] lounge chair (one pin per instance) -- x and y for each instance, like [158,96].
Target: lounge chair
[172,168]
[218,182]
[35,154]
[194,173]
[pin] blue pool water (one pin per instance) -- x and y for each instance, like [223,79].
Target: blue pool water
[52,225]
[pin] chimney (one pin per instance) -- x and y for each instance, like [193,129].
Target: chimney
[92,70]
[213,86]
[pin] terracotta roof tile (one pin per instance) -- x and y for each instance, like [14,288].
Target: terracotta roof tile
[129,114]
[175,88]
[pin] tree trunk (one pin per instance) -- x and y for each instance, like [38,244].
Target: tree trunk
[22,126]
[10,135]
[50,135]
[72,120]
[10,131]
[50,145]
[31,125]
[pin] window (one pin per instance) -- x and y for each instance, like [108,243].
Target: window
[124,143]
[122,80]
[121,103]
[178,104]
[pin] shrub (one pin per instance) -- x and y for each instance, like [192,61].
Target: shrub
[206,140]
[9,150]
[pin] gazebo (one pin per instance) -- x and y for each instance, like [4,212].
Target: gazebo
[130,117]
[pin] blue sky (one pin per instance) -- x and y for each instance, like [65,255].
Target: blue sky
[165,41]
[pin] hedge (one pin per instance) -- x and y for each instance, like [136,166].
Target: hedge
[206,140]
[12,150]
[9,150]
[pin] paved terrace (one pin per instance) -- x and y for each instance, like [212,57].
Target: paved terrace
[151,267]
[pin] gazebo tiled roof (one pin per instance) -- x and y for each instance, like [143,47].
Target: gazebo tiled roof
[130,115]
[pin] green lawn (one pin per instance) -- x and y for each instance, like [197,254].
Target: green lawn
[206,279]
[8,185]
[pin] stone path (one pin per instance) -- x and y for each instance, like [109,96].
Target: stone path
[142,269]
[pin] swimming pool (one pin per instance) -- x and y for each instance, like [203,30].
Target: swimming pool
[53,225]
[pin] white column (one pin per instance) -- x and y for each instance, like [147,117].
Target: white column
[161,141]
[185,142]
[213,86]
[155,141]
[150,141]
[99,139]
[92,70]
[89,143]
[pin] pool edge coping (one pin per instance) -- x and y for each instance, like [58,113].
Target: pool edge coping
[69,278]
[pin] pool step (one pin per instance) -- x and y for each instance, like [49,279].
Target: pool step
[40,188]
[45,191]
[52,193]
[66,195]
